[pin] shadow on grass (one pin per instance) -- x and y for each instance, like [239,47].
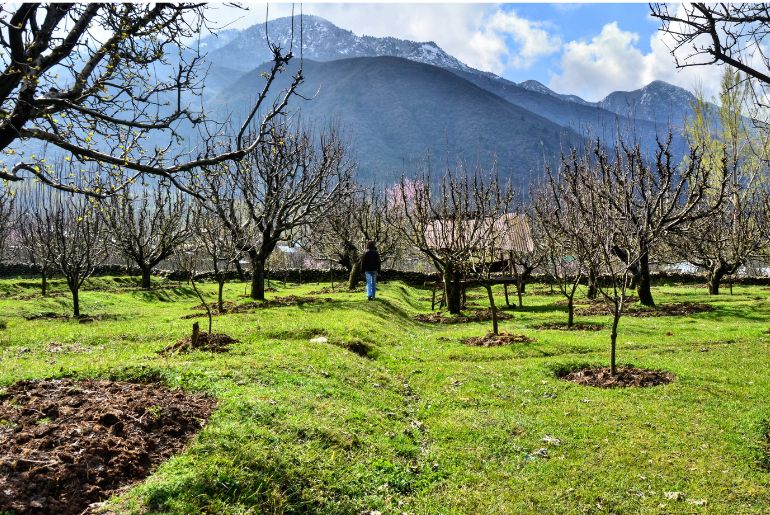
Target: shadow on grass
[165,294]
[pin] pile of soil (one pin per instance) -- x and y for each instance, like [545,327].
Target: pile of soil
[496,340]
[46,315]
[577,326]
[209,342]
[227,305]
[635,310]
[625,377]
[65,444]
[477,315]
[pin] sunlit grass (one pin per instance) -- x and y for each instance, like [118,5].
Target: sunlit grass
[425,424]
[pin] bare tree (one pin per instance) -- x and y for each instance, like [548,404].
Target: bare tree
[72,236]
[524,259]
[565,235]
[103,81]
[147,224]
[8,216]
[724,33]
[340,235]
[451,223]
[32,231]
[625,206]
[217,242]
[657,198]
[288,182]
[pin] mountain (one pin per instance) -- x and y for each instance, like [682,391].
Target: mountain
[539,87]
[658,102]
[395,112]
[321,41]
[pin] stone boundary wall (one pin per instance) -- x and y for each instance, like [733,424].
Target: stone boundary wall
[306,275]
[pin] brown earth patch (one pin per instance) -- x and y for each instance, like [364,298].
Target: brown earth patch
[65,444]
[496,340]
[625,377]
[209,342]
[577,326]
[477,315]
[665,310]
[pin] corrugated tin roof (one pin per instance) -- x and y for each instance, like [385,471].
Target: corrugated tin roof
[508,233]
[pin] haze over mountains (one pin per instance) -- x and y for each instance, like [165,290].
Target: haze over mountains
[398,101]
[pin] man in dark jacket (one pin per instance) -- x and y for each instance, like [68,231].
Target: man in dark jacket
[370,264]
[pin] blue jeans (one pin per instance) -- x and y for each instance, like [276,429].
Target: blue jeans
[371,284]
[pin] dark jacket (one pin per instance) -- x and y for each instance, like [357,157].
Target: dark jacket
[370,261]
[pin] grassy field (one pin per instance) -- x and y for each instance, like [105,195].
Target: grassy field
[423,423]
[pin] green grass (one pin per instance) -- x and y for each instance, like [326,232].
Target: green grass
[397,416]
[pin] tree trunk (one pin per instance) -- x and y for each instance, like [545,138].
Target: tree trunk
[505,289]
[239,270]
[644,283]
[355,275]
[492,308]
[715,279]
[75,300]
[614,339]
[570,311]
[453,291]
[258,279]
[196,334]
[220,303]
[519,291]
[146,277]
[44,282]
[593,290]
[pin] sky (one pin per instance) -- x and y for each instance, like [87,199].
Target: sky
[588,50]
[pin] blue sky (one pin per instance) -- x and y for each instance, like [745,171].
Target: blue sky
[584,49]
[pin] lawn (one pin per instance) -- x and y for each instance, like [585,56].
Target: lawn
[392,415]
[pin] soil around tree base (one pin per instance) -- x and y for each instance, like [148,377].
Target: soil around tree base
[625,377]
[577,326]
[210,342]
[66,444]
[496,340]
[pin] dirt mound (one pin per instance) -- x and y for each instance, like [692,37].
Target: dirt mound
[496,340]
[209,342]
[665,310]
[65,444]
[478,315]
[577,326]
[227,305]
[248,307]
[625,377]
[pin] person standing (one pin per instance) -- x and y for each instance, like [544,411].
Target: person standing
[370,263]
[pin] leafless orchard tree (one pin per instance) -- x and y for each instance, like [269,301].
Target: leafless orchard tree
[525,259]
[624,206]
[216,240]
[342,233]
[565,232]
[657,198]
[72,237]
[8,216]
[451,222]
[102,82]
[289,181]
[32,231]
[147,224]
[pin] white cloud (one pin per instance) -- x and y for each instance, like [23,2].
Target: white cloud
[532,38]
[612,61]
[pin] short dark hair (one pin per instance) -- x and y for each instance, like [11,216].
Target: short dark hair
[370,244]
